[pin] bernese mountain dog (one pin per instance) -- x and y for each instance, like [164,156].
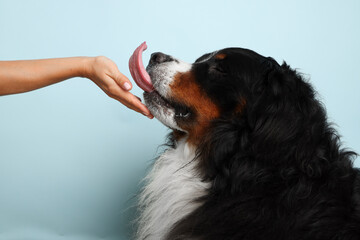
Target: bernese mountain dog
[251,155]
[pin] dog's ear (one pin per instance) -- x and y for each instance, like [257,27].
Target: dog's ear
[279,109]
[287,120]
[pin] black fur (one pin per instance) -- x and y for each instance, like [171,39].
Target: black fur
[277,168]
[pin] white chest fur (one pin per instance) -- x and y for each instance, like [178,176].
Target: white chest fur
[171,188]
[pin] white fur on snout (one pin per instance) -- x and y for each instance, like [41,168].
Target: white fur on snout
[162,75]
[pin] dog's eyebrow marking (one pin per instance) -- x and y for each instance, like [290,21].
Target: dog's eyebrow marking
[220,56]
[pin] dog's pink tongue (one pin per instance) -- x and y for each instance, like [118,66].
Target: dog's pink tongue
[137,70]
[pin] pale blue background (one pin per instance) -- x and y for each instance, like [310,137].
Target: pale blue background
[71,158]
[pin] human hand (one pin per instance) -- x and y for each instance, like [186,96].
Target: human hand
[104,73]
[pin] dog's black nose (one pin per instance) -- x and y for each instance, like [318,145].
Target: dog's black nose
[159,57]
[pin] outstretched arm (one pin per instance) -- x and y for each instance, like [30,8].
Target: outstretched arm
[26,75]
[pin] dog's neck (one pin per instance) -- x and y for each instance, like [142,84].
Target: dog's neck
[171,190]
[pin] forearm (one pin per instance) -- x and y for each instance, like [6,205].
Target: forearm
[27,75]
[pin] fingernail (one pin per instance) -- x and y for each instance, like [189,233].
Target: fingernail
[127,86]
[148,115]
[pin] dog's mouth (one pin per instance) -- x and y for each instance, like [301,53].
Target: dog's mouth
[158,105]
[171,108]
[155,98]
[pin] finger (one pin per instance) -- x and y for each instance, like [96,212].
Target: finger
[132,102]
[138,98]
[128,99]
[137,105]
[140,109]
[122,81]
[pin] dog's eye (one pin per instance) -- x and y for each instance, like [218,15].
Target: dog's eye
[217,69]
[220,70]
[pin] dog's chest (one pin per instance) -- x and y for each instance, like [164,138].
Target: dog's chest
[171,190]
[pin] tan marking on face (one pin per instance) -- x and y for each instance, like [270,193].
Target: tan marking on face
[220,56]
[185,90]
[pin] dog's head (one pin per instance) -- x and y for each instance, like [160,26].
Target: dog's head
[218,85]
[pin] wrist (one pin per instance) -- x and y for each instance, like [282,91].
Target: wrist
[85,67]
